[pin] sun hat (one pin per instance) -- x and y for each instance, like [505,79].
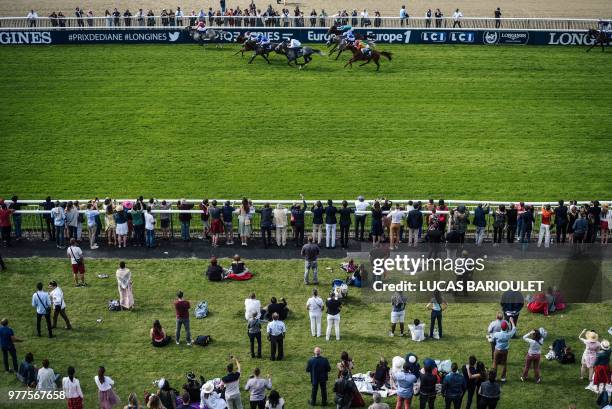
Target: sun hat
[208,387]
[592,336]
[127,204]
[412,359]
[161,383]
[543,332]
[605,344]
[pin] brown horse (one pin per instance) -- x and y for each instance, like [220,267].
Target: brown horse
[600,38]
[360,56]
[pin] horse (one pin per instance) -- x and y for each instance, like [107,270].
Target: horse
[600,37]
[339,43]
[293,55]
[247,44]
[206,35]
[360,56]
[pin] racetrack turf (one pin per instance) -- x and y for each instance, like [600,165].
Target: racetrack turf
[460,122]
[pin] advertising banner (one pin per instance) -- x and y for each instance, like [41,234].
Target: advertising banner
[306,35]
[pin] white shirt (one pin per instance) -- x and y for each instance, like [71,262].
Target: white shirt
[403,13]
[281,404]
[57,297]
[108,383]
[45,379]
[74,251]
[364,14]
[396,216]
[417,332]
[72,388]
[214,401]
[149,221]
[32,15]
[251,307]
[179,13]
[457,15]
[315,305]
[361,206]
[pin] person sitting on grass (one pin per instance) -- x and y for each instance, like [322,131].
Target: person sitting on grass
[210,399]
[193,386]
[417,330]
[46,378]
[238,267]
[185,402]
[277,307]
[158,335]
[215,271]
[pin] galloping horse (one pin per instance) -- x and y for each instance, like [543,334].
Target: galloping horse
[206,35]
[359,56]
[339,43]
[293,55]
[251,45]
[600,37]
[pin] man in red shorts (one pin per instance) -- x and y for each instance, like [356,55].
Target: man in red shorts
[75,254]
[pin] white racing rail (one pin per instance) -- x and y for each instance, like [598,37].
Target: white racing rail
[262,23]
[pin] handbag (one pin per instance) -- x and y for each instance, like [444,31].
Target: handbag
[78,260]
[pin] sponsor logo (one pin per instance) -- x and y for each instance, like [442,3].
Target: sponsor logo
[389,37]
[25,37]
[174,36]
[490,37]
[463,37]
[505,37]
[569,39]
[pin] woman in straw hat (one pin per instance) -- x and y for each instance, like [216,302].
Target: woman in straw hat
[601,376]
[591,342]
[211,399]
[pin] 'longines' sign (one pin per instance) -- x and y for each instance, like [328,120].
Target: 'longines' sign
[305,35]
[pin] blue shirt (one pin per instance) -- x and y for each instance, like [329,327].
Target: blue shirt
[6,335]
[228,213]
[453,385]
[41,301]
[91,217]
[405,384]
[59,216]
[276,328]
[502,339]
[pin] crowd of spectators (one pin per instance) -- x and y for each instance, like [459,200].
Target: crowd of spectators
[249,16]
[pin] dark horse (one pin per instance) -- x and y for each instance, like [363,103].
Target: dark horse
[293,55]
[600,38]
[201,36]
[251,45]
[338,43]
[373,56]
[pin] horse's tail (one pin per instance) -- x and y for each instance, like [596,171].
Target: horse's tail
[318,52]
[386,54]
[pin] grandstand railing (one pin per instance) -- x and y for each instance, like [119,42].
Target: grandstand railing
[265,22]
[33,224]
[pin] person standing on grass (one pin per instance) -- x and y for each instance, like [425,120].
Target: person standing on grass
[149,221]
[561,221]
[72,388]
[124,284]
[535,339]
[107,398]
[437,304]
[427,391]
[276,332]
[5,224]
[110,226]
[494,326]
[42,303]
[502,344]
[545,226]
[231,382]
[330,225]
[59,305]
[181,308]
[7,342]
[257,387]
[404,380]
[489,392]
[454,386]
[254,333]
[310,252]
[361,207]
[318,367]
[398,312]
[92,228]
[75,254]
[315,306]
[46,378]
[333,315]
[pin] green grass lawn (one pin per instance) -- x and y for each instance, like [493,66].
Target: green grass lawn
[121,342]
[453,121]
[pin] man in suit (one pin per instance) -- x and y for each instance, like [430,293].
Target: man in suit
[318,367]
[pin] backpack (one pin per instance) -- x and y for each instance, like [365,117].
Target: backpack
[113,305]
[201,310]
[202,340]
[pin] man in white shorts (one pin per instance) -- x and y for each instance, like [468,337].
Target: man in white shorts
[398,312]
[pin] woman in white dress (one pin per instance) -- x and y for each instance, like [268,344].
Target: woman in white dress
[124,282]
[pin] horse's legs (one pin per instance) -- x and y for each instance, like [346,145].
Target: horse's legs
[266,58]
[377,64]
[252,58]
[339,52]
[350,62]
[367,62]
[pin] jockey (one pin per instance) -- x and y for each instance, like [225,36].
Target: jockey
[263,40]
[295,44]
[363,47]
[250,36]
[604,27]
[201,26]
[348,33]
